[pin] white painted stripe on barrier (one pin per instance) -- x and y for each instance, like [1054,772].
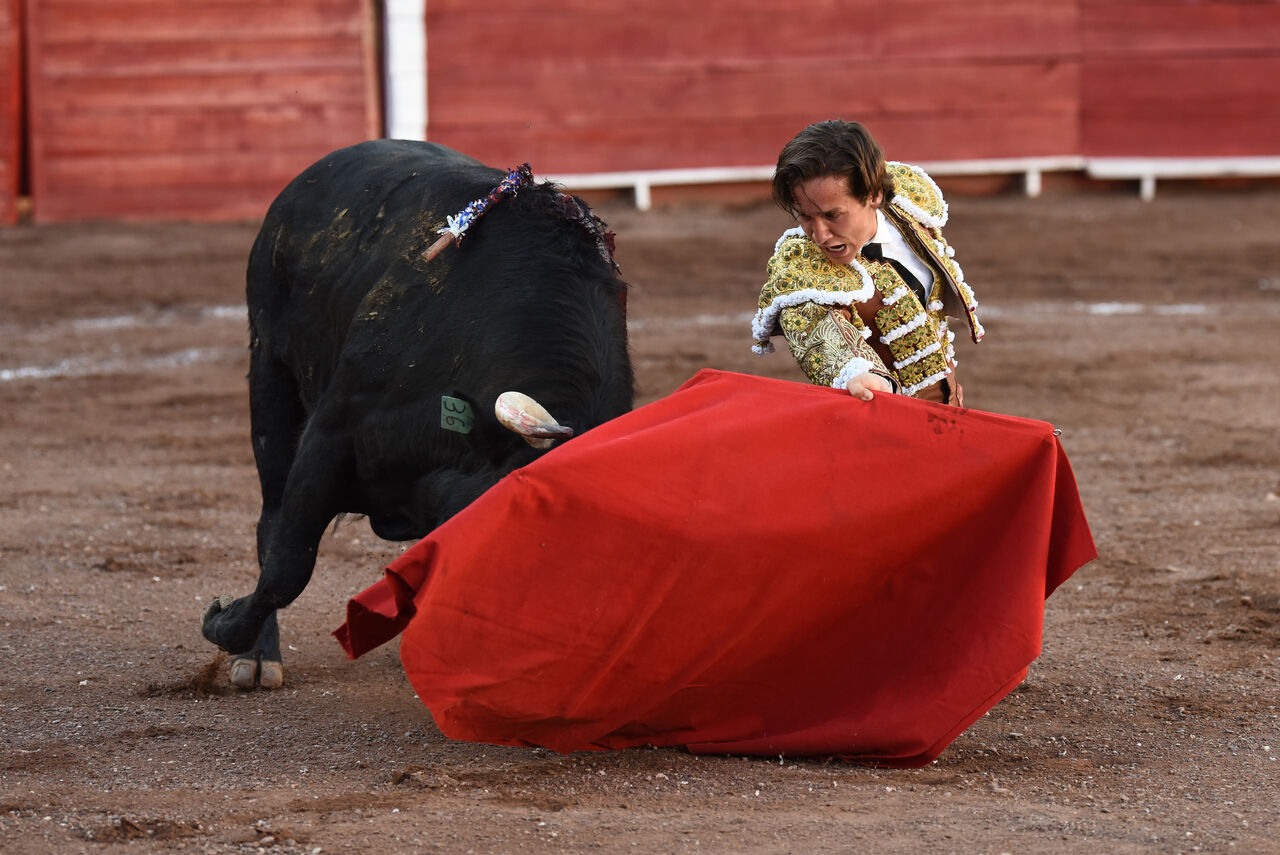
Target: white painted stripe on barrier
[642,181]
[405,69]
[1145,170]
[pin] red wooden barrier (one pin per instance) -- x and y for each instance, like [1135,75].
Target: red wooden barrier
[175,109]
[10,109]
[586,86]
[1183,79]
[204,110]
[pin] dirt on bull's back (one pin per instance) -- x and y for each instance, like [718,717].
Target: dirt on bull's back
[1144,331]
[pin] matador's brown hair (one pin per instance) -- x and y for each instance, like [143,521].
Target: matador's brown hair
[834,147]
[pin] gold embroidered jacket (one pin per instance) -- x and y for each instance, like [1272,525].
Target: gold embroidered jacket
[830,312]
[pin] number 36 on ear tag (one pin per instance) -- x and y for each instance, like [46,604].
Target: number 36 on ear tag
[456,415]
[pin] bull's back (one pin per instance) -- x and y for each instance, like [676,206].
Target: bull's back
[343,225]
[362,206]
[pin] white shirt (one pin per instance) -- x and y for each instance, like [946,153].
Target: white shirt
[896,247]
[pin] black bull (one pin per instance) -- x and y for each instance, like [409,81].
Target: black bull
[359,345]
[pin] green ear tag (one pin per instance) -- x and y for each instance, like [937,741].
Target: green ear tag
[456,414]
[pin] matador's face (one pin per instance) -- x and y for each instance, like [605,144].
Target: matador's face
[833,219]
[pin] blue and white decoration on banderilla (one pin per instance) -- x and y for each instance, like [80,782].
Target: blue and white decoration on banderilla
[457,225]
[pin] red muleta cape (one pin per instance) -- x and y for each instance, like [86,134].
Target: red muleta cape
[747,566]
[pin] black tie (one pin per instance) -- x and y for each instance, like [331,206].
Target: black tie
[875,252]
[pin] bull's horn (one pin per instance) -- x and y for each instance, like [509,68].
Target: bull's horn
[525,416]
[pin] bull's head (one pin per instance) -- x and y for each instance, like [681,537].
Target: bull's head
[525,416]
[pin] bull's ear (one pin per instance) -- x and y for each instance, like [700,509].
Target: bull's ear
[519,413]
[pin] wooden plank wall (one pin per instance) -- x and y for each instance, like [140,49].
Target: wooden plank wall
[583,86]
[204,109]
[191,109]
[1181,79]
[10,109]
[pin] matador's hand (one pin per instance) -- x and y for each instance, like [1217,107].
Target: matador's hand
[864,385]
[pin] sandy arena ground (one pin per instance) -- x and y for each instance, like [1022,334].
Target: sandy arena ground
[1145,331]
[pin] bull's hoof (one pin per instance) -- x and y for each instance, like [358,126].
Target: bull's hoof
[222,625]
[270,675]
[249,673]
[244,673]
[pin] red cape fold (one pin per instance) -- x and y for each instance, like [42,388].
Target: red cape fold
[747,566]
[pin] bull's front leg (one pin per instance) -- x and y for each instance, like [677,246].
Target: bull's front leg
[287,555]
[277,418]
[248,625]
[234,625]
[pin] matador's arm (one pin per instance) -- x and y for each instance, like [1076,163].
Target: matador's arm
[828,347]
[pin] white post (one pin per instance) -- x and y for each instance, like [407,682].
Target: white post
[1147,187]
[644,201]
[1032,183]
[405,31]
